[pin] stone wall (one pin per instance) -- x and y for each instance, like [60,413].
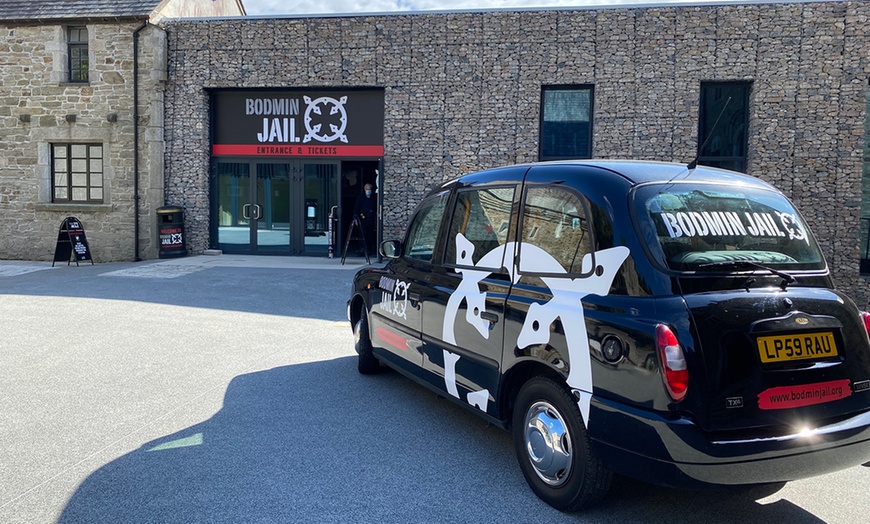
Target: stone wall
[36,101]
[463,93]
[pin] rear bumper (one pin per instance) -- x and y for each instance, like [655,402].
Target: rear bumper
[676,452]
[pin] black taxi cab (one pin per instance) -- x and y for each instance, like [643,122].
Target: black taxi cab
[673,324]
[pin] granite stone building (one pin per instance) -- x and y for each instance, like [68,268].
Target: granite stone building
[462,91]
[263,128]
[81,121]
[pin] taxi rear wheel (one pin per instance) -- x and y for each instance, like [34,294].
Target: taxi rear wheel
[367,364]
[553,448]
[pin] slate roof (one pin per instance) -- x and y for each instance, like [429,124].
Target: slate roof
[37,10]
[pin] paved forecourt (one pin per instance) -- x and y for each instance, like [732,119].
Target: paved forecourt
[224,389]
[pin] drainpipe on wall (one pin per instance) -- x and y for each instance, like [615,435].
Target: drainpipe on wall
[136,140]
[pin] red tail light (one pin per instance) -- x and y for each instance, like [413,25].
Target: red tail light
[675,372]
[866,318]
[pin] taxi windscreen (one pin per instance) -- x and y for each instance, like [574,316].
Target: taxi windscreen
[692,227]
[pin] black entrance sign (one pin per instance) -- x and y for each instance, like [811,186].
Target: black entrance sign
[72,244]
[299,123]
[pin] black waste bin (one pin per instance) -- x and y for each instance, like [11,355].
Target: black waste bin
[170,232]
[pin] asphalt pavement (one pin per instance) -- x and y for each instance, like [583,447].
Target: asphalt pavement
[224,389]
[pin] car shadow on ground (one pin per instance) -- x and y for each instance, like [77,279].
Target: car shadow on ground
[317,442]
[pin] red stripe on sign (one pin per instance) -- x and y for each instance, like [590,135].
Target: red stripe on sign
[392,339]
[305,150]
[785,397]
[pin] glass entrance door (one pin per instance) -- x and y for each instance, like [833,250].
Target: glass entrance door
[272,231]
[321,195]
[273,208]
[234,205]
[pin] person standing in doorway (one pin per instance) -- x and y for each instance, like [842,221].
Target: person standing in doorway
[366,209]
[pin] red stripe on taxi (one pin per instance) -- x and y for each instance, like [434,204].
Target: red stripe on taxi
[392,339]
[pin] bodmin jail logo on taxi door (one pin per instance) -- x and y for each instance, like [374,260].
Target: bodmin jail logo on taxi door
[325,119]
[730,223]
[394,297]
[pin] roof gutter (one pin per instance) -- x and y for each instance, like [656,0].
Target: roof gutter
[54,20]
[136,140]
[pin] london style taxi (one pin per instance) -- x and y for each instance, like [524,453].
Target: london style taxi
[675,325]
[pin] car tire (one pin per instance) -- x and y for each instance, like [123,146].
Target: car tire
[367,363]
[553,448]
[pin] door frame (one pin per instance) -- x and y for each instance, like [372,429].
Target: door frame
[296,245]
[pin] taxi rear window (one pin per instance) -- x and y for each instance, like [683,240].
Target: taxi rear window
[692,227]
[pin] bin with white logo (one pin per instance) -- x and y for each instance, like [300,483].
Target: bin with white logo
[170,232]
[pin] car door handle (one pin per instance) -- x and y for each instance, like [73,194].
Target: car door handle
[491,317]
[414,299]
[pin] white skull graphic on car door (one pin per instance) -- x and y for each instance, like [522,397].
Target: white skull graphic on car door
[565,303]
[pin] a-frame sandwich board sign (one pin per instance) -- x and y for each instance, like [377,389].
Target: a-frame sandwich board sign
[72,244]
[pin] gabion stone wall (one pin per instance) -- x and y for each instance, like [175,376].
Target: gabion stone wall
[463,93]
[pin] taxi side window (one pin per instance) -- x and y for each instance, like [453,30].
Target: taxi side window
[423,231]
[555,220]
[482,217]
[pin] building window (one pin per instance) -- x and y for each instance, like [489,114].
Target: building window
[723,125]
[566,122]
[865,195]
[77,172]
[78,53]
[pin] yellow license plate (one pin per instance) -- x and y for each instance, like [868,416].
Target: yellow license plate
[803,346]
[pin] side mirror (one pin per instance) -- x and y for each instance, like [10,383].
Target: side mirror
[391,249]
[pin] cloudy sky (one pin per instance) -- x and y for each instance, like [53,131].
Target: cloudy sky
[279,7]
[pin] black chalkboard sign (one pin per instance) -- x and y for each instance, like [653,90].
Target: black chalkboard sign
[72,244]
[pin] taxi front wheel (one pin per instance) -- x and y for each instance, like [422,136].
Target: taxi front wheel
[367,363]
[553,448]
